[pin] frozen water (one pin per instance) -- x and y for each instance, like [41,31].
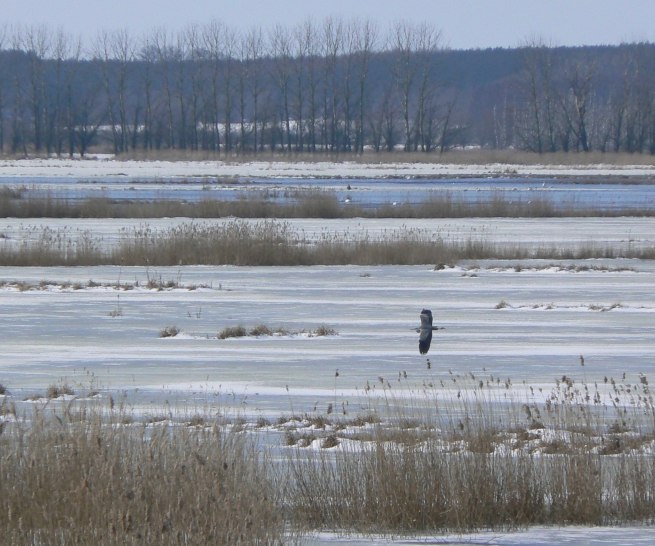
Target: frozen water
[551,316]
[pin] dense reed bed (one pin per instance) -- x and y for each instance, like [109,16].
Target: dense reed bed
[483,459]
[464,453]
[75,475]
[273,242]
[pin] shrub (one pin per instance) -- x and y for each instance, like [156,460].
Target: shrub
[55,391]
[324,330]
[329,442]
[261,330]
[169,331]
[232,331]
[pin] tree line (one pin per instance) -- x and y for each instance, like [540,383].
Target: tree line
[331,86]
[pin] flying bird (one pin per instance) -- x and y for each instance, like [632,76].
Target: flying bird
[425,331]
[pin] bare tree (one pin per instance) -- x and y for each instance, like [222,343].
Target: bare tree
[116,50]
[230,41]
[580,88]
[67,53]
[427,45]
[365,37]
[312,46]
[303,37]
[182,69]
[414,46]
[88,112]
[165,54]
[348,75]
[332,41]
[254,51]
[221,42]
[194,58]
[147,59]
[538,124]
[639,107]
[281,44]
[3,78]
[37,42]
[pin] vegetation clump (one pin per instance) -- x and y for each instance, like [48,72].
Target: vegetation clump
[262,330]
[169,331]
[56,391]
[323,330]
[232,331]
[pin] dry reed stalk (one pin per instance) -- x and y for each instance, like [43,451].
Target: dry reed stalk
[83,479]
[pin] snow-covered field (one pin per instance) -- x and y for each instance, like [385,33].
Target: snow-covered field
[529,325]
[98,328]
[108,168]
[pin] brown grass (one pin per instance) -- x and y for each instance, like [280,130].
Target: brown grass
[406,465]
[232,331]
[169,331]
[261,330]
[272,242]
[91,481]
[323,330]
[473,465]
[55,391]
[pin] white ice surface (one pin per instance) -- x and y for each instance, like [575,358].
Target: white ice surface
[53,334]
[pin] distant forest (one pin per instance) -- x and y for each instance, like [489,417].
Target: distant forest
[330,86]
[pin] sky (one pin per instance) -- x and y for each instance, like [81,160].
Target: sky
[464,24]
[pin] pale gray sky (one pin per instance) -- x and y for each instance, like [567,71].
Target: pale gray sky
[464,23]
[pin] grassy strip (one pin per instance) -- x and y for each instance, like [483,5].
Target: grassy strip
[301,204]
[271,242]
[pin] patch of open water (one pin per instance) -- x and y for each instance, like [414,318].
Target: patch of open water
[366,193]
